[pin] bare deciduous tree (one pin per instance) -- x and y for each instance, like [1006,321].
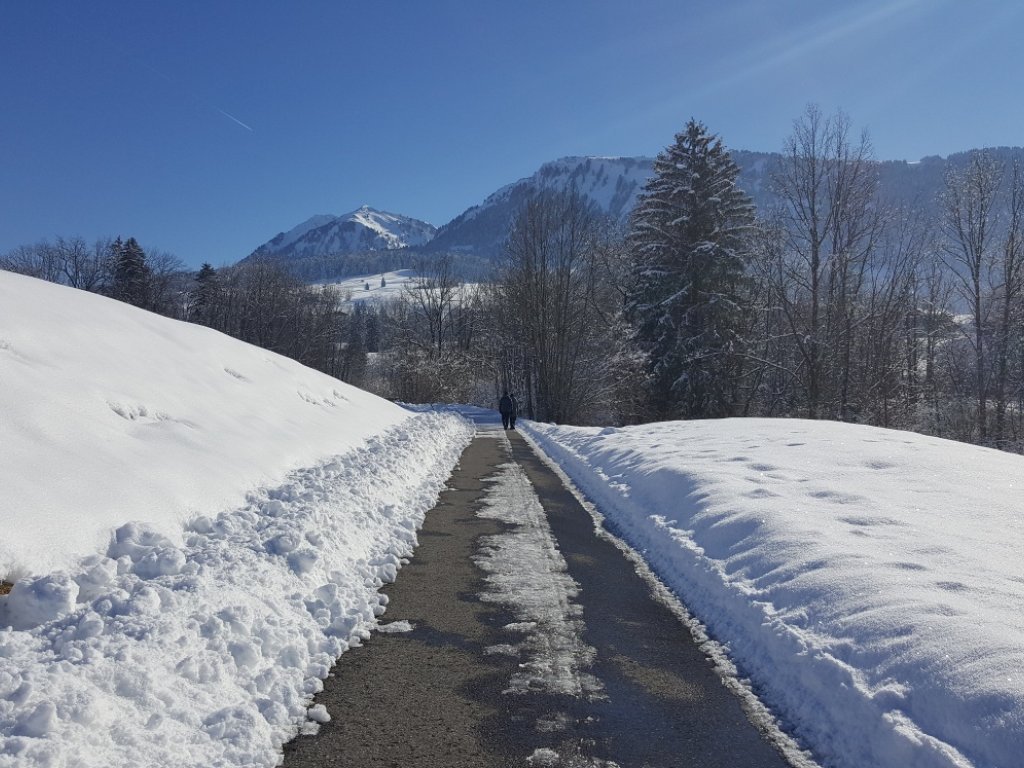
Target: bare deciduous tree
[970,225]
[828,226]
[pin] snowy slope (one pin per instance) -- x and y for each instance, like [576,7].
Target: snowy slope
[93,391]
[365,229]
[285,240]
[197,529]
[610,183]
[868,581]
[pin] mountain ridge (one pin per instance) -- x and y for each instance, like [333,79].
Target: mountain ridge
[611,184]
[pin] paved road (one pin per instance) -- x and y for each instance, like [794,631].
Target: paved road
[532,642]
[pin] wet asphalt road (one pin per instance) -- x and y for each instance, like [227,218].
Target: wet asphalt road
[435,697]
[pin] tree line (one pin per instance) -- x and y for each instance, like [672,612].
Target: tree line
[833,303]
[830,303]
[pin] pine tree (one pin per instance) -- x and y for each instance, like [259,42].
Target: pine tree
[131,280]
[204,302]
[690,244]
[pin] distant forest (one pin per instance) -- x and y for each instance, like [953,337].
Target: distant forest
[826,300]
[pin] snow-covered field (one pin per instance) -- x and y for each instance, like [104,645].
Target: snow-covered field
[380,288]
[377,287]
[196,528]
[870,583]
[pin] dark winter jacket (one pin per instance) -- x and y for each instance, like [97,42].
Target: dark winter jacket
[505,405]
[515,406]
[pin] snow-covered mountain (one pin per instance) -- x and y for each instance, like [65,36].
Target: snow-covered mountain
[365,229]
[610,183]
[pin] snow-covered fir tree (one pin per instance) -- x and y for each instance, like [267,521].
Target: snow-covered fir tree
[131,273]
[690,240]
[204,297]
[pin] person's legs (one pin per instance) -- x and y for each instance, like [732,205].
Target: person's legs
[504,420]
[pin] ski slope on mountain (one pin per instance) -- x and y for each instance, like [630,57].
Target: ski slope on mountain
[867,581]
[196,529]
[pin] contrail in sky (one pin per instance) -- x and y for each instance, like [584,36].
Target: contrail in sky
[114,44]
[232,117]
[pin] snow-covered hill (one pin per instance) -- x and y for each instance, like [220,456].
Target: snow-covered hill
[196,529]
[867,581]
[365,229]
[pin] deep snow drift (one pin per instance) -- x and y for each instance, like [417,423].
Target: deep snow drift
[868,581]
[199,528]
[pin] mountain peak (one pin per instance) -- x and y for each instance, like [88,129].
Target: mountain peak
[364,229]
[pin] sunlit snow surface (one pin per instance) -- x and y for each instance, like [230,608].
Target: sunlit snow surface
[110,414]
[185,581]
[868,581]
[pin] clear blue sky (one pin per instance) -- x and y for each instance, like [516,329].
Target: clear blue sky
[203,128]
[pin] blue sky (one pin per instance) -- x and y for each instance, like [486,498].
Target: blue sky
[204,128]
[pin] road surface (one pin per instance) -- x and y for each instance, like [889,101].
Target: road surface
[517,637]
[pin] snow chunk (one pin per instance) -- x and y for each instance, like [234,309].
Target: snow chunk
[38,722]
[543,757]
[36,600]
[396,627]
[318,714]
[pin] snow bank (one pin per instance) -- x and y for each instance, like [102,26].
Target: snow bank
[110,414]
[867,581]
[199,527]
[208,653]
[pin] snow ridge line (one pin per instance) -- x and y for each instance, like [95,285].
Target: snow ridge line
[208,653]
[820,692]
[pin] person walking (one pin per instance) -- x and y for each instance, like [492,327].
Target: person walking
[514,412]
[505,409]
